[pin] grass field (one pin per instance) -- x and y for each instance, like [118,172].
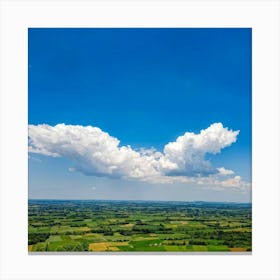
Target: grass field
[131,226]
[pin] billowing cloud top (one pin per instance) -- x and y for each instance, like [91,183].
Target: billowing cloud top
[97,153]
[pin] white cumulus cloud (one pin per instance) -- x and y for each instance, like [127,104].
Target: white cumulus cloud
[96,153]
[188,151]
[224,171]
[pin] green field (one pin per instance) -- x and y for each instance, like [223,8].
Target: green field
[138,226]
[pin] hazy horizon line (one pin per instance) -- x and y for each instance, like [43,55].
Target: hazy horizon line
[137,200]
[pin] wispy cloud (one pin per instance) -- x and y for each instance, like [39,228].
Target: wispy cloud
[34,158]
[96,153]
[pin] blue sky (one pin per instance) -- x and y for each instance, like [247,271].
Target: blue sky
[145,87]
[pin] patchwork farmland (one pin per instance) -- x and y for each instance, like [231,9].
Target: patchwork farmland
[138,226]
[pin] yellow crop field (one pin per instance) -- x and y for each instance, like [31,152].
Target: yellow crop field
[238,249]
[114,249]
[103,246]
[98,246]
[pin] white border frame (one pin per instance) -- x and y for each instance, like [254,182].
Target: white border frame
[17,15]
